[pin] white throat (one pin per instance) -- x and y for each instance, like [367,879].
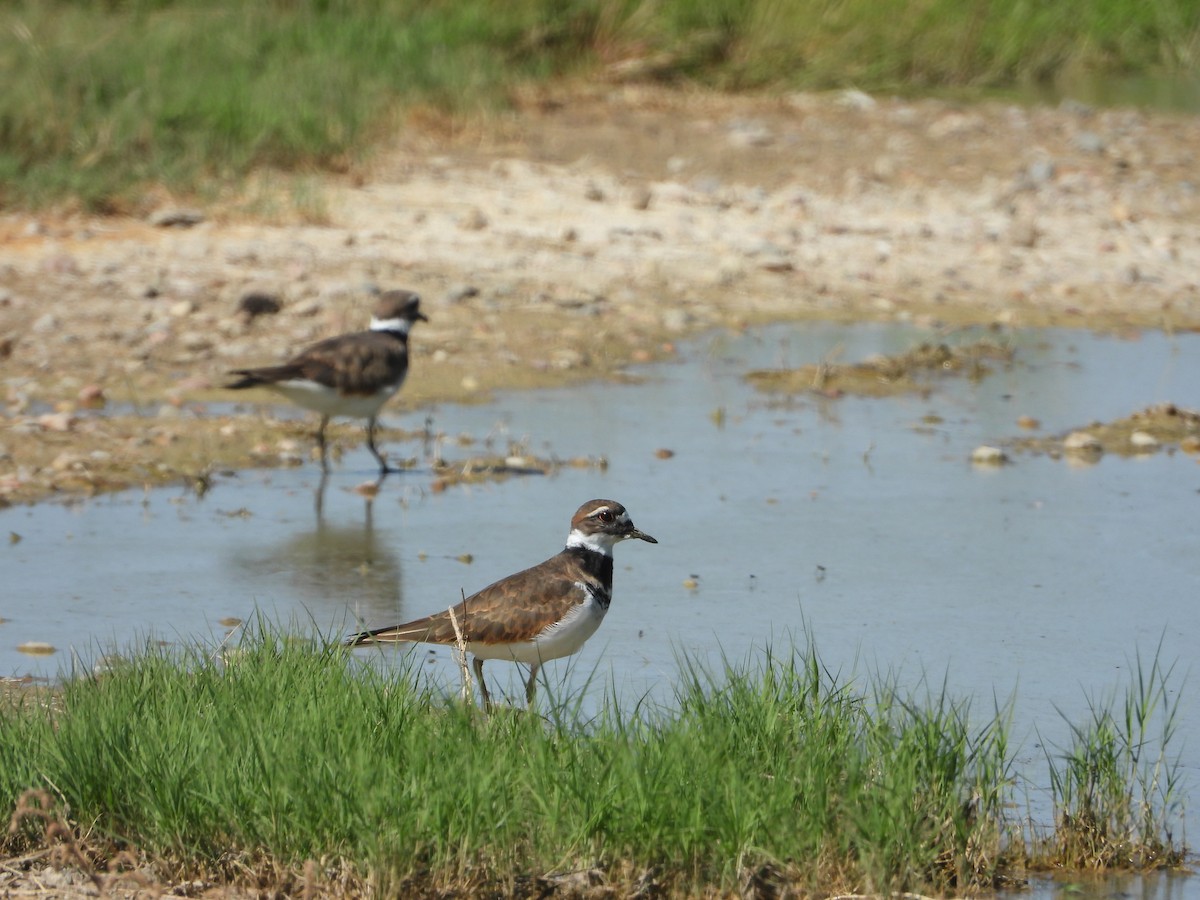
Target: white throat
[400,325]
[599,542]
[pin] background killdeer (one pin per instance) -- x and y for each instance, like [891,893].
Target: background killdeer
[348,375]
[542,613]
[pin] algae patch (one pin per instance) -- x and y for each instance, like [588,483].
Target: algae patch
[916,371]
[477,469]
[1163,426]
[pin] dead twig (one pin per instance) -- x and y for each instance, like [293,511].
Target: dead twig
[460,647]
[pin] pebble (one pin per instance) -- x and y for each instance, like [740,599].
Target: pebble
[174,217]
[91,396]
[195,341]
[852,98]
[774,261]
[306,309]
[985,455]
[473,220]
[460,293]
[1089,142]
[1082,442]
[44,324]
[1041,171]
[59,421]
[567,358]
[65,460]
[258,303]
[36,648]
[750,134]
[951,125]
[676,319]
[1143,440]
[1024,232]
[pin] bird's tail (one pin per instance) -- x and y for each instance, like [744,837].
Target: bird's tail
[248,378]
[392,634]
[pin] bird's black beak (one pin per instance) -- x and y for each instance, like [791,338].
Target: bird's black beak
[635,533]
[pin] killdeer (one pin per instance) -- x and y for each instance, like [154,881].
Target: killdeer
[348,375]
[542,613]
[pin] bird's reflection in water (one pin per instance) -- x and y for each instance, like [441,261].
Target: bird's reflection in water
[368,491]
[334,567]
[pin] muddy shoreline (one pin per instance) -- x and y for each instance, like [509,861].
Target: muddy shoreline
[586,231]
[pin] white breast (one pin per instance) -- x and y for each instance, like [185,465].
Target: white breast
[329,402]
[560,639]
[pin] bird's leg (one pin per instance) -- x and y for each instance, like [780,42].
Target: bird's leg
[319,497]
[321,442]
[383,466]
[477,665]
[531,684]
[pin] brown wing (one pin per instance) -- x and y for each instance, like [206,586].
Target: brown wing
[513,609]
[351,363]
[355,364]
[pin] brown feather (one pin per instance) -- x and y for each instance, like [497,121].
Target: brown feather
[356,364]
[512,610]
[353,364]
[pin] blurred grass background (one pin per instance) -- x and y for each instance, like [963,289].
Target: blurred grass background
[105,97]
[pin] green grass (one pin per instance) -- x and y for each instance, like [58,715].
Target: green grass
[292,751]
[102,99]
[105,100]
[1116,796]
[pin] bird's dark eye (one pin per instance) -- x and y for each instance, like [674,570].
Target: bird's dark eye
[605,516]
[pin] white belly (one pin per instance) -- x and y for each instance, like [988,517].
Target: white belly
[328,402]
[563,639]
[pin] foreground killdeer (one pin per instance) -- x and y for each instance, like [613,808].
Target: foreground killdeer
[536,615]
[348,375]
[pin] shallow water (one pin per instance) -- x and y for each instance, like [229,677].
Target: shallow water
[850,521]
